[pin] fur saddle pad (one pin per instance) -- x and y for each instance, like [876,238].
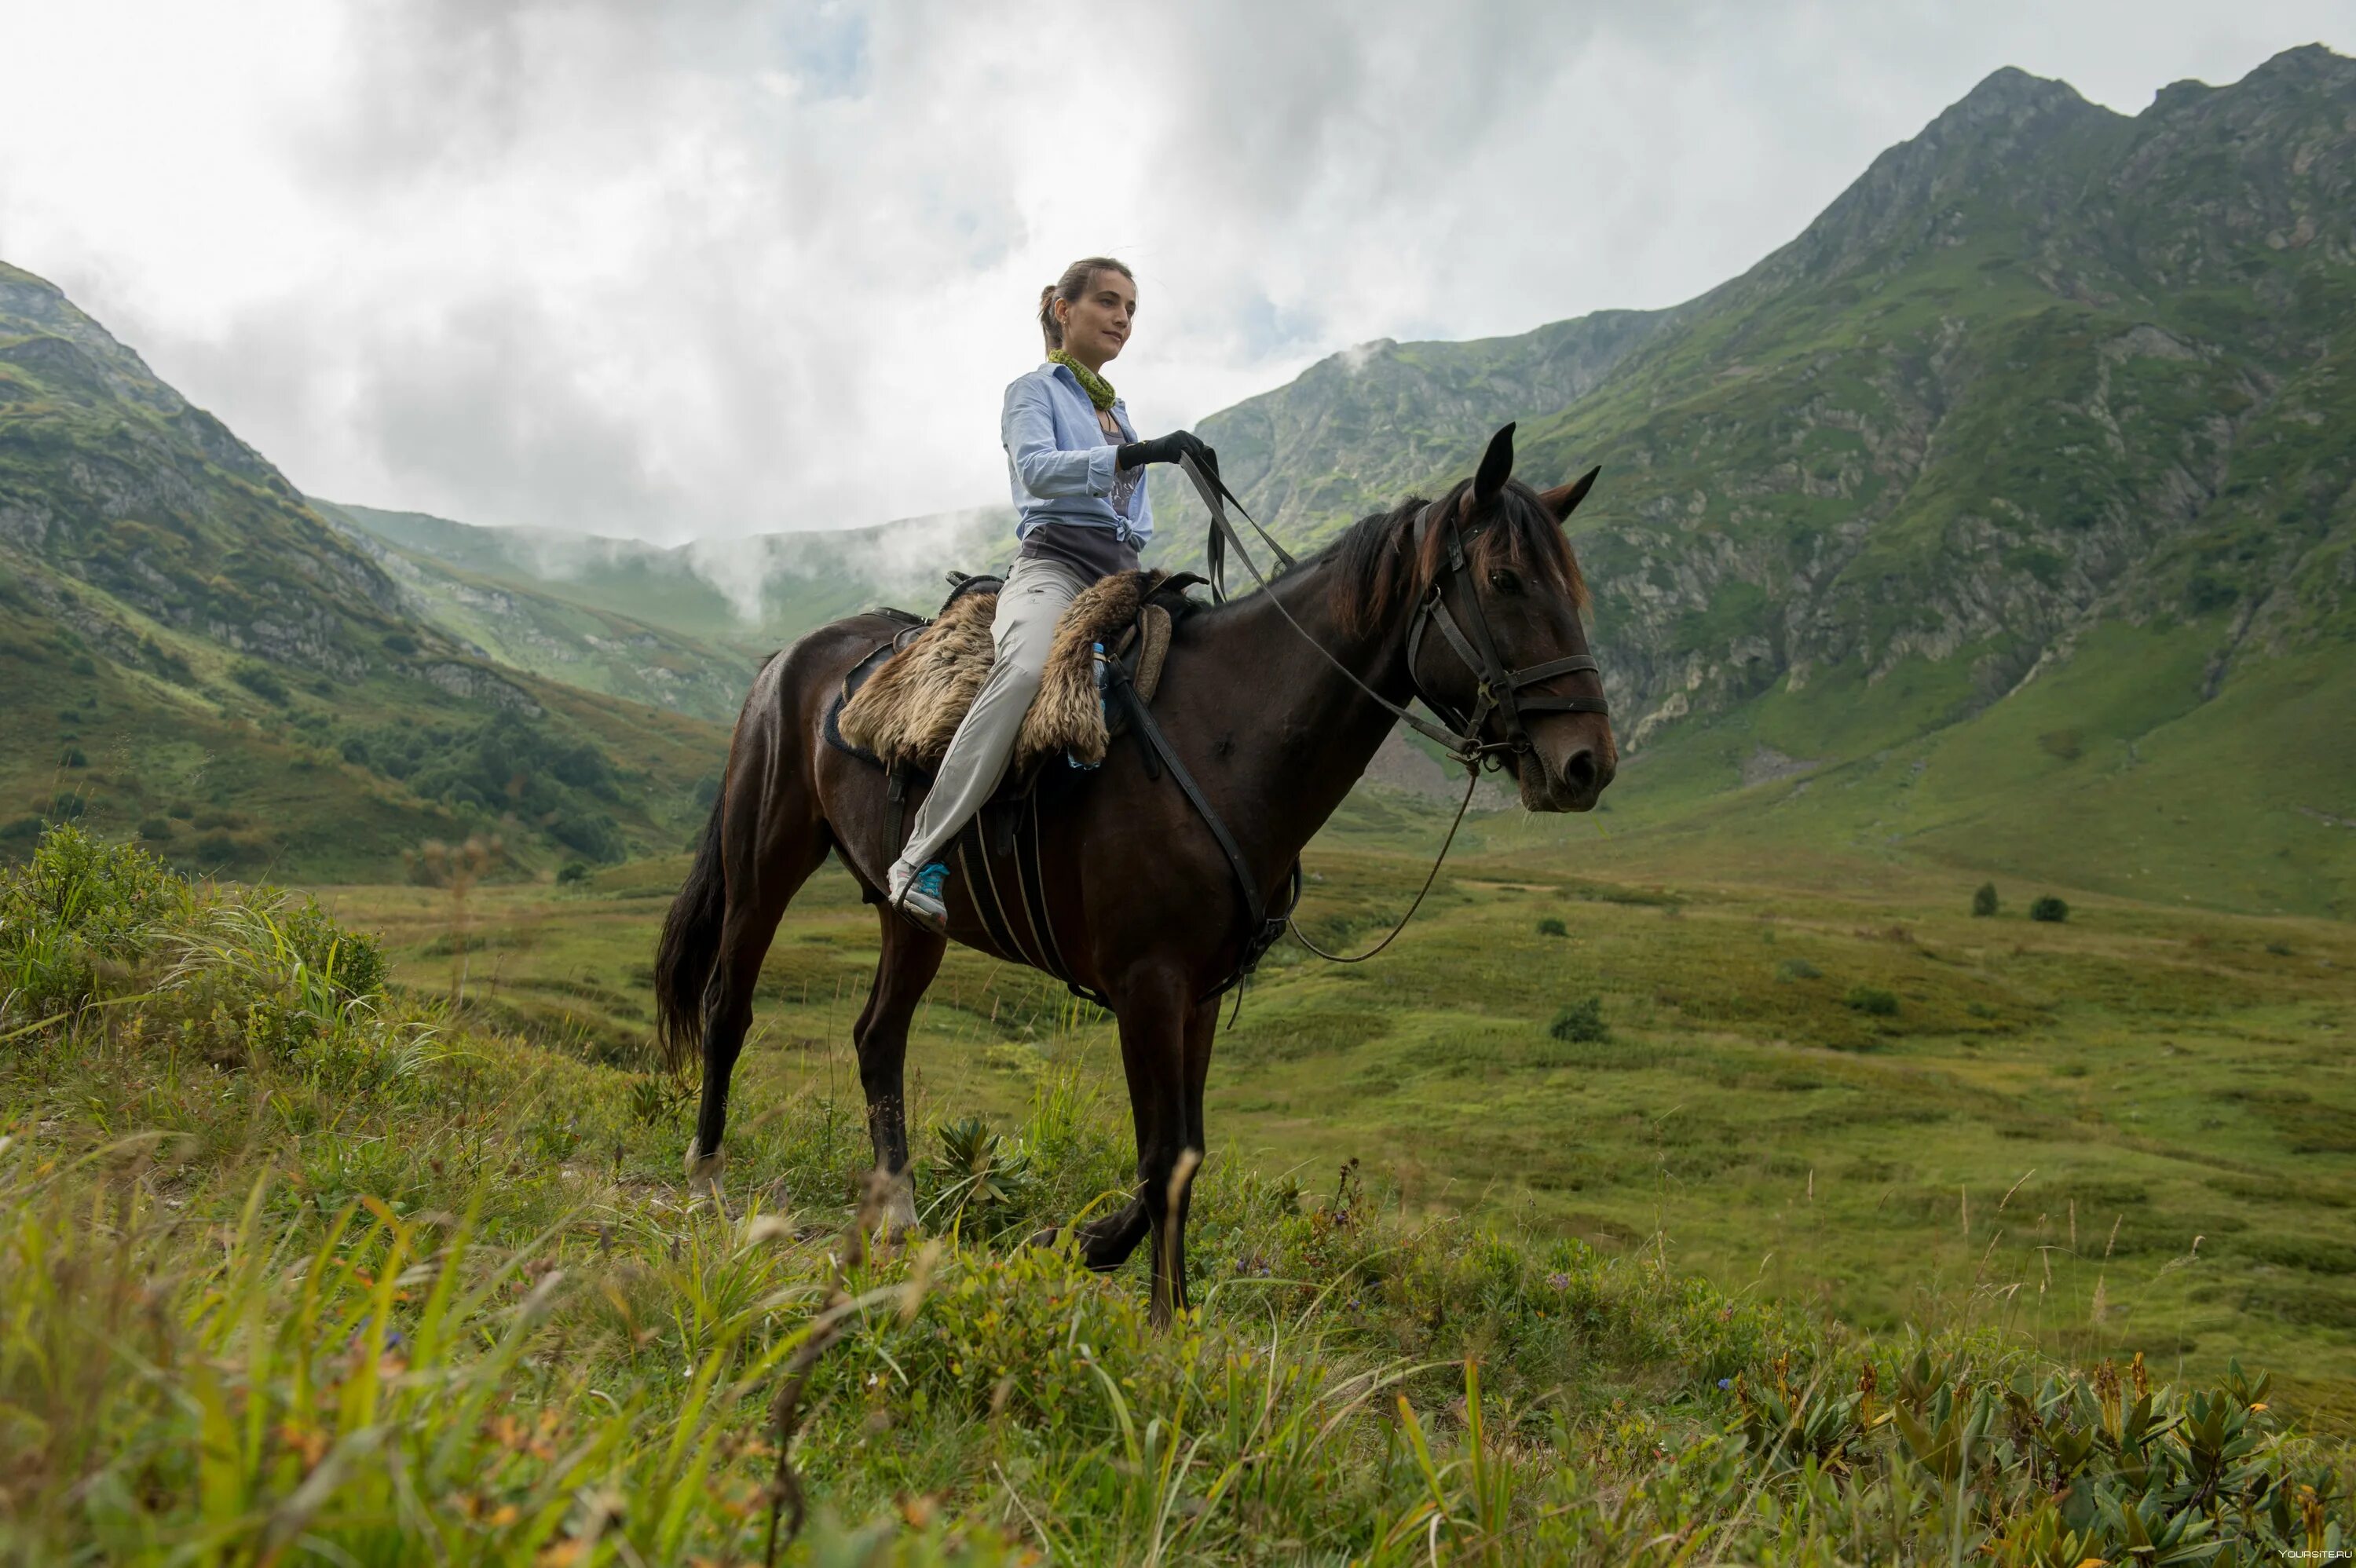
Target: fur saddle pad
[906,712]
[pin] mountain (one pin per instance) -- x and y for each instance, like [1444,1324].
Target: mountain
[2005,514]
[684,627]
[1354,429]
[550,629]
[187,649]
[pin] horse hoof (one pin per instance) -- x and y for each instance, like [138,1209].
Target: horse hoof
[703,1170]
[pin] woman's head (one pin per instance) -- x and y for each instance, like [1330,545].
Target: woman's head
[1086,313]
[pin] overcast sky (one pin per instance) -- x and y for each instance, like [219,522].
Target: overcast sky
[717,269]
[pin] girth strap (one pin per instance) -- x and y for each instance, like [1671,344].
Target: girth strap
[1259,929]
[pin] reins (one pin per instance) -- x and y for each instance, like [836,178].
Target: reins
[1497,688]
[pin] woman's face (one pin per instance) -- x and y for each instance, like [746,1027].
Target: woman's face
[1097,324]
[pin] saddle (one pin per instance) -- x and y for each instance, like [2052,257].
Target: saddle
[900,706]
[902,703]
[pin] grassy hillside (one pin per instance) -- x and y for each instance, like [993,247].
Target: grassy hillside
[2008,514]
[291,1267]
[753,592]
[562,634]
[189,653]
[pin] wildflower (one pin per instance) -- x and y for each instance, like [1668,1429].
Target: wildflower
[1557,1281]
[1726,1382]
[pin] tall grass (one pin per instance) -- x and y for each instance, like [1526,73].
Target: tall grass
[292,1269]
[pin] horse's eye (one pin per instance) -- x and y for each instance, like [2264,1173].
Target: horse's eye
[1505,580]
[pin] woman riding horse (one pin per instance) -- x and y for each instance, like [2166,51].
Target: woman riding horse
[1077,471]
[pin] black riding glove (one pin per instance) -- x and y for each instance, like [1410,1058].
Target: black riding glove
[1169,448]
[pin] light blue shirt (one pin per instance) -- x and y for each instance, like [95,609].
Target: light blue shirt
[1059,460]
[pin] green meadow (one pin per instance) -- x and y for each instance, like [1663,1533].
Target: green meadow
[319,1248]
[1813,1079]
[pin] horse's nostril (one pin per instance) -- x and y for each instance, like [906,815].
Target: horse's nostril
[1579,769]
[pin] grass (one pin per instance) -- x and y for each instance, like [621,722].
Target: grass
[2147,1105]
[296,1267]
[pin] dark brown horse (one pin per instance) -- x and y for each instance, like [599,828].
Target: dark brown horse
[1142,901]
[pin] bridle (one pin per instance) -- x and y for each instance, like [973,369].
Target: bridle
[1498,690]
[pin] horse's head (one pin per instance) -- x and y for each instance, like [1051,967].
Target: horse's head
[1497,642]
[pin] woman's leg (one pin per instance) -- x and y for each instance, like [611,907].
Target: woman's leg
[1029,606]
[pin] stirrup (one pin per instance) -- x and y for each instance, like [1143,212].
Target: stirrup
[920,899]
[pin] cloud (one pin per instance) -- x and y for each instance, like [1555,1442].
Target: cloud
[719,269]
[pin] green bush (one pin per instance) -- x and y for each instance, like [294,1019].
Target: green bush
[2048,908]
[1872,999]
[1797,969]
[261,680]
[504,763]
[74,757]
[1984,901]
[574,872]
[78,908]
[401,643]
[156,829]
[1550,926]
[1580,1023]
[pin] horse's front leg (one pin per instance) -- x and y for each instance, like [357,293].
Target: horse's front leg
[1156,1020]
[910,959]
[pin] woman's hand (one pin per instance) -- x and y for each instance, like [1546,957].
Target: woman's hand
[1169,448]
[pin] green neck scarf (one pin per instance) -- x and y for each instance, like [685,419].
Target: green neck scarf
[1099,389]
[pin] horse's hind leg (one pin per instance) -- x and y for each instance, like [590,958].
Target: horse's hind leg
[762,880]
[910,959]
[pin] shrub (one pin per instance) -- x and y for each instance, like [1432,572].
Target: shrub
[1580,1023]
[1797,969]
[1983,901]
[355,751]
[986,1181]
[1872,999]
[2048,908]
[156,829]
[1550,926]
[66,806]
[574,871]
[401,643]
[78,907]
[261,680]
[74,757]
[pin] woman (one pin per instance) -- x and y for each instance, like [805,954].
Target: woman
[1077,471]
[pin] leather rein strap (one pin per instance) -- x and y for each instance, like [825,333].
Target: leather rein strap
[1498,691]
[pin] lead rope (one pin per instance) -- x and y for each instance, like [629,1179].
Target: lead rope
[1465,749]
[1300,936]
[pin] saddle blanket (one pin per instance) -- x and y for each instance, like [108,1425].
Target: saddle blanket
[906,712]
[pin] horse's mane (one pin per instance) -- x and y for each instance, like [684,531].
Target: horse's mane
[1379,566]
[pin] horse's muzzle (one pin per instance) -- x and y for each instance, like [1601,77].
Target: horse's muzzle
[1569,770]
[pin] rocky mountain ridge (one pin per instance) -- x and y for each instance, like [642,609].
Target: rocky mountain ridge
[182,639]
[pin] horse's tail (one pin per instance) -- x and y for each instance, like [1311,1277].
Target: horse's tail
[690,946]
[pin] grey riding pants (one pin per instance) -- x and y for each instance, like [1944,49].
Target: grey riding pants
[1029,606]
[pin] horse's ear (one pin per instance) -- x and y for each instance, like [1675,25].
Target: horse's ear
[1564,499]
[1497,467]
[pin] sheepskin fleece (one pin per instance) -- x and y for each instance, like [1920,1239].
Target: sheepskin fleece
[910,707]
